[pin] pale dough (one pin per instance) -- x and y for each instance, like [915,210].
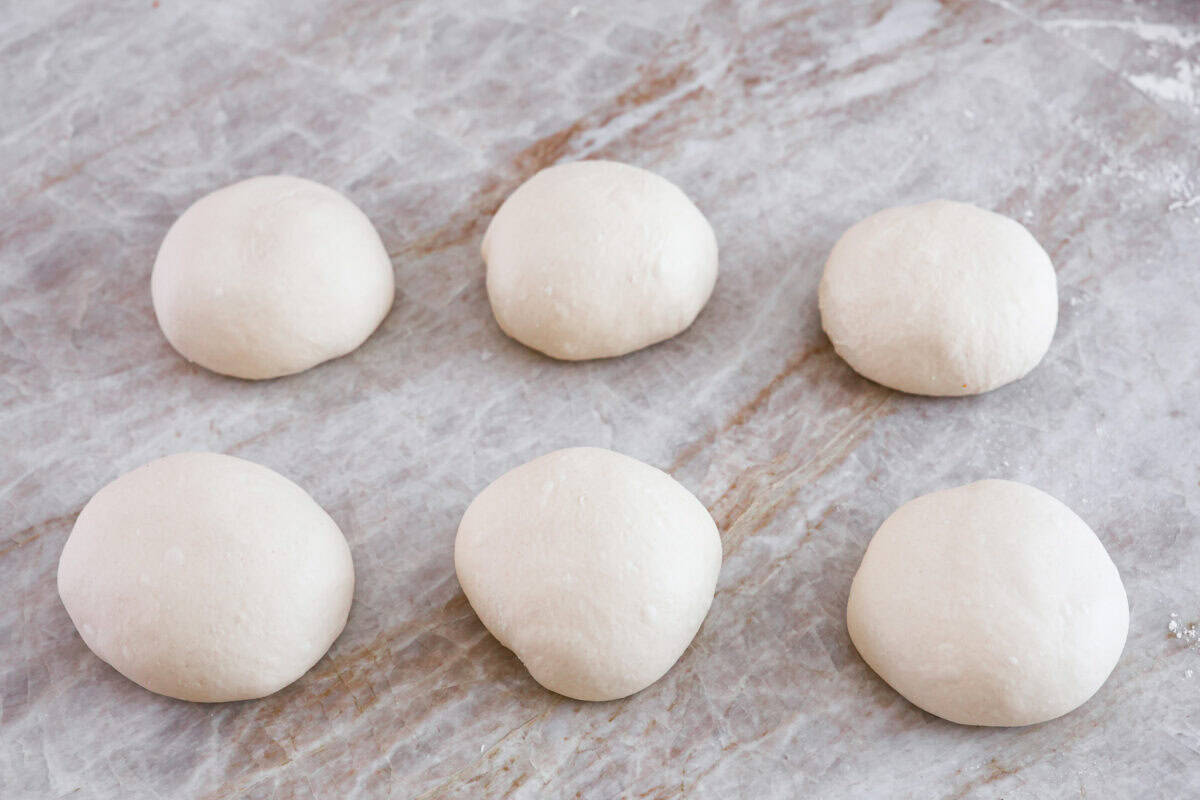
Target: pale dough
[595,259]
[941,298]
[206,577]
[989,604]
[594,568]
[270,276]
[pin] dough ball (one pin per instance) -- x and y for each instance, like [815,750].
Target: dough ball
[594,568]
[596,259]
[989,604]
[939,299]
[270,276]
[206,577]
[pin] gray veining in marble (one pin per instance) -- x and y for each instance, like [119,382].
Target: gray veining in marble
[786,122]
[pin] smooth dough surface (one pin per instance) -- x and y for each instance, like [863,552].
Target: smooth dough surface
[594,259]
[594,568]
[989,604]
[270,276]
[206,577]
[941,298]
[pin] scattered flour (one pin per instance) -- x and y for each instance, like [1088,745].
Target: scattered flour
[1186,632]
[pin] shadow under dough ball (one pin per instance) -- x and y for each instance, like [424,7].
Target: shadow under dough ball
[206,577]
[594,568]
[594,259]
[989,604]
[941,299]
[270,276]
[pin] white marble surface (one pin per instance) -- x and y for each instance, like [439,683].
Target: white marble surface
[786,122]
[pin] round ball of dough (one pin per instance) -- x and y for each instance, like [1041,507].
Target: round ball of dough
[989,604]
[270,276]
[939,299]
[205,577]
[595,259]
[594,568]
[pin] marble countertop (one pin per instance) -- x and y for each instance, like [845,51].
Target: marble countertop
[786,122]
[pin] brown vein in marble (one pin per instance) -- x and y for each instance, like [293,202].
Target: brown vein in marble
[997,772]
[769,570]
[749,409]
[33,532]
[460,776]
[744,512]
[657,82]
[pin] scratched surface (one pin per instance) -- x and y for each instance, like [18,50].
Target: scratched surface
[786,122]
